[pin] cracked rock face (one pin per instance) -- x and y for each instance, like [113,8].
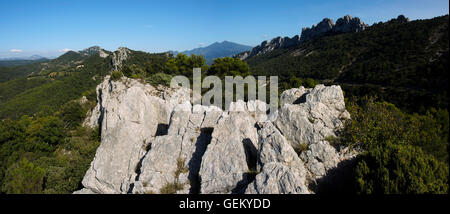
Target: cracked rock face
[176,157]
[226,161]
[282,171]
[128,116]
[319,158]
[314,115]
[119,56]
[326,25]
[153,140]
[345,24]
[349,24]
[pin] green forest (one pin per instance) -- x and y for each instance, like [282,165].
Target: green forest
[394,76]
[404,63]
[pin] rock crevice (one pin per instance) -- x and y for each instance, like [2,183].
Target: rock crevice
[153,140]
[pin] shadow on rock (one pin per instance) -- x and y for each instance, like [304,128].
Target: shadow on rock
[194,164]
[339,180]
[251,157]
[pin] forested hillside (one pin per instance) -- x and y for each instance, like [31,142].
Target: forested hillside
[43,146]
[50,89]
[398,61]
[17,62]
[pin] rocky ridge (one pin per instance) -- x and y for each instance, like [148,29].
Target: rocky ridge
[119,56]
[94,50]
[326,26]
[153,140]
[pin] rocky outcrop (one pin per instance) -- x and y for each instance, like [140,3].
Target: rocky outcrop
[282,171]
[94,50]
[129,115]
[228,157]
[349,24]
[345,24]
[119,56]
[314,115]
[294,95]
[174,158]
[102,53]
[265,47]
[323,27]
[153,140]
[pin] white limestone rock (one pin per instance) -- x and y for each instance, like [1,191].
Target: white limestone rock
[84,191]
[319,114]
[128,116]
[277,178]
[153,136]
[282,171]
[293,95]
[319,158]
[224,164]
[119,56]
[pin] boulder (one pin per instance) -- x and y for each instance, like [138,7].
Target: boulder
[293,95]
[225,164]
[128,115]
[282,171]
[319,158]
[314,116]
[277,178]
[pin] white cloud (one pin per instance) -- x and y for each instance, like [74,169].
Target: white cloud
[201,44]
[16,51]
[64,50]
[265,35]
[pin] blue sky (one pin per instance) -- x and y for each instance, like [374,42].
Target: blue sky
[49,27]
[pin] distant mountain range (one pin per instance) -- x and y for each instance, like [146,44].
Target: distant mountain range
[15,61]
[217,50]
[34,57]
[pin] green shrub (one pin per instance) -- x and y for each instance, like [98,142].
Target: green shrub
[159,79]
[63,153]
[301,148]
[72,113]
[171,188]
[45,132]
[116,75]
[400,169]
[90,94]
[402,153]
[310,83]
[295,82]
[379,123]
[24,177]
[183,64]
[228,66]
[180,167]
